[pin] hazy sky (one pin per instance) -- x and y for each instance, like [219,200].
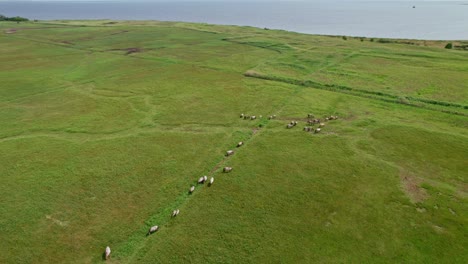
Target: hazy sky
[410,1]
[229,0]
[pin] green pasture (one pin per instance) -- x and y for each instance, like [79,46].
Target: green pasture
[105,125]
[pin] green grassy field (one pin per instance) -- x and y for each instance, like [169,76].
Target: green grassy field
[106,125]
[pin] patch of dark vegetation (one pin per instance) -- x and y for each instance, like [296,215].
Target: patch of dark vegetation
[110,23]
[396,41]
[16,19]
[384,41]
[406,100]
[132,50]
[128,51]
[407,42]
[461,47]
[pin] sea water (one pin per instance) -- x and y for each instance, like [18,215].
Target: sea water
[438,20]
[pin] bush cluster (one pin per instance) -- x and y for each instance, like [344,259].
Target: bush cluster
[14,19]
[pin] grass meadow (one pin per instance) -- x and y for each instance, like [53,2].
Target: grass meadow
[105,125]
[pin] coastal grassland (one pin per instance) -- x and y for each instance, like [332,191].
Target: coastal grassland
[106,124]
[337,196]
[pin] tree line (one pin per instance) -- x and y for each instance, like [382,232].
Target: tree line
[14,19]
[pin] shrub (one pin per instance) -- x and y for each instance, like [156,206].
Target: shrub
[384,41]
[448,46]
[14,19]
[462,47]
[345,38]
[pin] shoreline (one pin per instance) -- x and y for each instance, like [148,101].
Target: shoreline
[431,20]
[393,40]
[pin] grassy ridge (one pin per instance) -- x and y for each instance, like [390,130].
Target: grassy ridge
[106,125]
[408,100]
[395,69]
